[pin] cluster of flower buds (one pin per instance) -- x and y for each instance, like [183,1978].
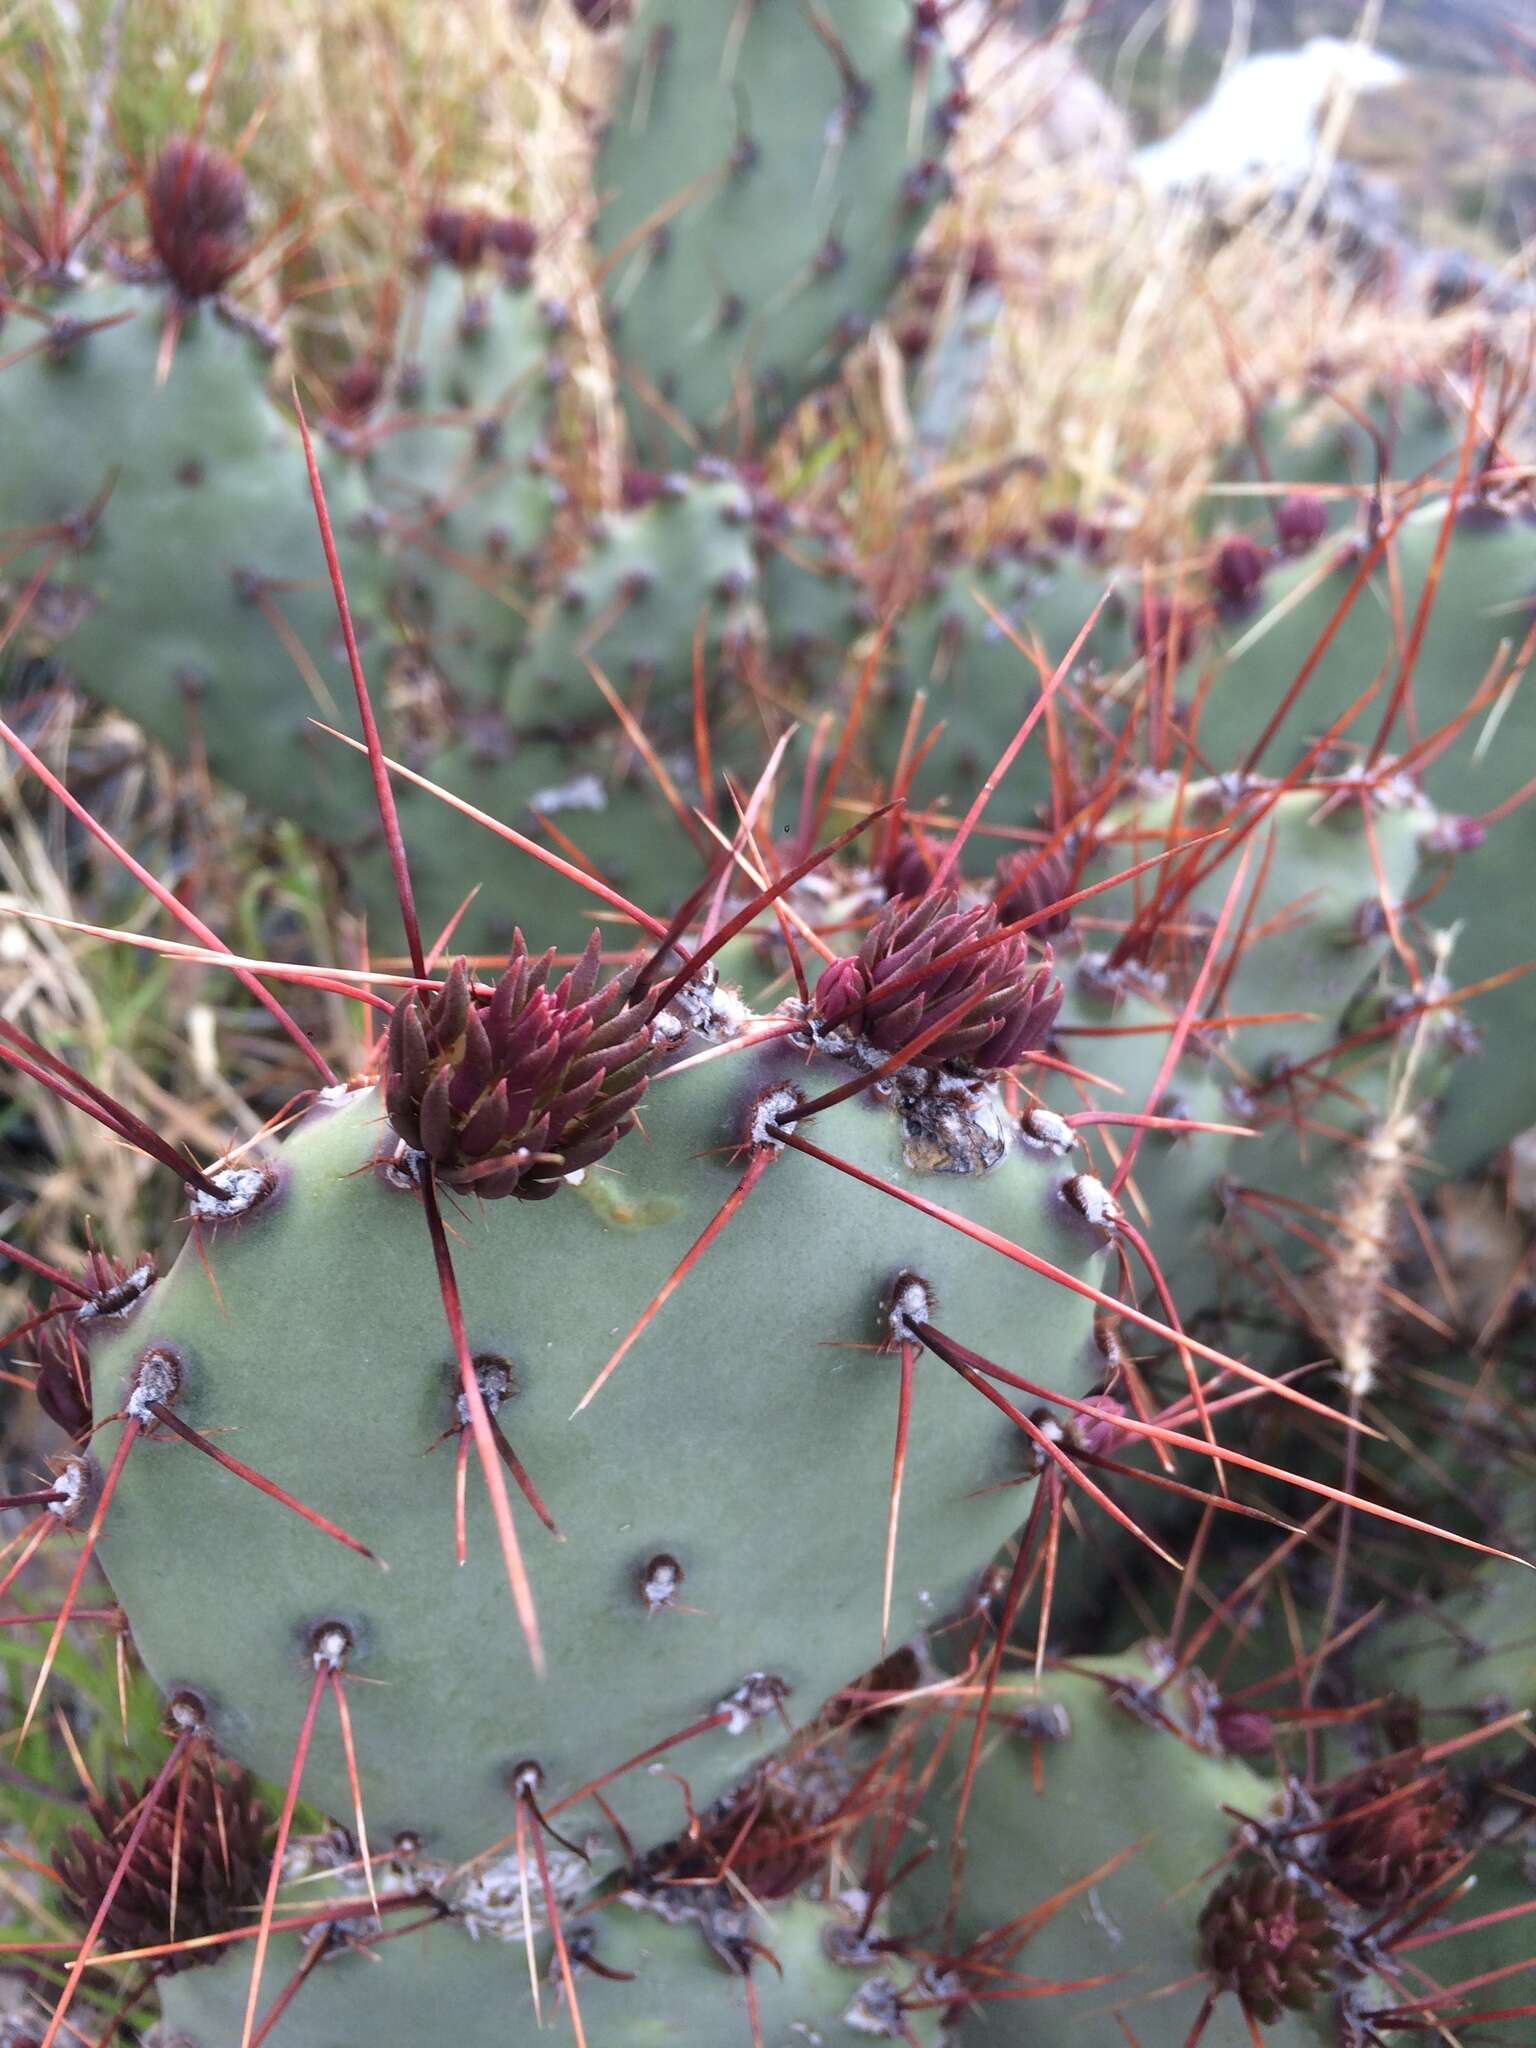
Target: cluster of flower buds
[199,1868]
[1390,1839]
[468,239]
[1268,1938]
[511,1092]
[197,203]
[906,978]
[1028,883]
[908,867]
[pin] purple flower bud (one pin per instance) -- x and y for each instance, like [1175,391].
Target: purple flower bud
[1100,1434]
[1301,520]
[196,201]
[457,235]
[909,869]
[903,981]
[1238,571]
[841,991]
[513,237]
[1243,1731]
[508,1094]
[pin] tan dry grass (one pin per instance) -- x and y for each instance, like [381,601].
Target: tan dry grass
[174,1042]
[1111,383]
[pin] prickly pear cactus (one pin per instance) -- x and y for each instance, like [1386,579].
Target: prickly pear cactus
[641,1982]
[763,174]
[1435,644]
[683,1320]
[959,642]
[184,583]
[1095,1841]
[459,453]
[310,1328]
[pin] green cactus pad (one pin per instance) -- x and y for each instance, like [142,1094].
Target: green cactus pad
[763,174]
[1480,613]
[633,606]
[438,1984]
[979,684]
[1312,942]
[460,466]
[182,600]
[314,1335]
[1472,1650]
[813,604]
[1109,1783]
[1317,441]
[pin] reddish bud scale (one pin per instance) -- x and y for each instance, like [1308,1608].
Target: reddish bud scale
[196,201]
[1003,1004]
[63,1372]
[508,1095]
